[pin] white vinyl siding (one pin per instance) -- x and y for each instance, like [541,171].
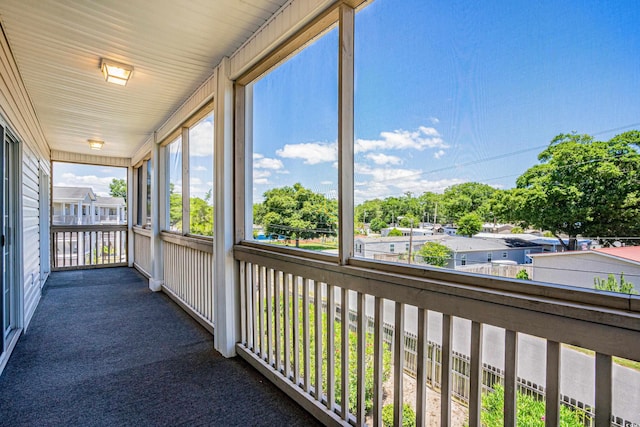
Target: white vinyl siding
[30,232]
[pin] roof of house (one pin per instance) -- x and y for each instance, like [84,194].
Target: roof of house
[631,253]
[111,201]
[455,243]
[76,193]
[532,238]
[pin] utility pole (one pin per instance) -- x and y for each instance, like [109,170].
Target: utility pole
[410,241]
[435,216]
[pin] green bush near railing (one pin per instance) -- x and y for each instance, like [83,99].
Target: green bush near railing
[531,411]
[408,416]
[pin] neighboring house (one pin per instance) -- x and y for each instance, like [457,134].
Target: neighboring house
[548,244]
[465,251]
[81,206]
[72,205]
[580,268]
[490,227]
[407,231]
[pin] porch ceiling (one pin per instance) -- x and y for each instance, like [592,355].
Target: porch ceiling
[172,45]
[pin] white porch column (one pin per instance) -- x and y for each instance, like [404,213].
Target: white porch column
[80,213]
[157,271]
[225,288]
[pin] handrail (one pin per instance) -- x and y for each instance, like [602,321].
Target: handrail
[88,246]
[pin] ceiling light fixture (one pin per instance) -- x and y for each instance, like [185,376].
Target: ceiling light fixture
[115,72]
[95,144]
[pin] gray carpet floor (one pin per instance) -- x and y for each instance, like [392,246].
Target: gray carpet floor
[103,350]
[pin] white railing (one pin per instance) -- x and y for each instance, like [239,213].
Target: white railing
[142,249]
[292,312]
[188,274]
[88,246]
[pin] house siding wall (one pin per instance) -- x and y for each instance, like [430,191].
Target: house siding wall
[30,232]
[578,270]
[17,112]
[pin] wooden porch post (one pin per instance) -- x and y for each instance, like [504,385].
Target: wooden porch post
[157,271]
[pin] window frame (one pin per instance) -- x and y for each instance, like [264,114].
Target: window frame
[141,209]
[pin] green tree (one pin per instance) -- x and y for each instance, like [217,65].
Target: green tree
[394,232]
[469,224]
[517,230]
[469,197]
[613,285]
[298,213]
[582,187]
[435,254]
[378,224]
[118,188]
[522,275]
[201,215]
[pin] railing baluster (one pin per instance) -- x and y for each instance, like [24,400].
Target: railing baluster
[251,308]
[243,303]
[277,334]
[362,317]
[510,377]
[331,346]
[475,378]
[603,389]
[261,313]
[269,284]
[296,330]
[305,335]
[398,365]
[317,297]
[445,369]
[344,353]
[287,326]
[552,389]
[377,360]
[421,377]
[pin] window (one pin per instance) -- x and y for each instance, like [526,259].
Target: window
[484,90]
[174,150]
[489,256]
[294,149]
[149,170]
[189,158]
[140,203]
[406,247]
[392,247]
[463,260]
[504,255]
[201,177]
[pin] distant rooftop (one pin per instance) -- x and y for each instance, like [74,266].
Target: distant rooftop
[631,253]
[75,193]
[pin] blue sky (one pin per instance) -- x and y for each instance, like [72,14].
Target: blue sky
[443,86]
[96,177]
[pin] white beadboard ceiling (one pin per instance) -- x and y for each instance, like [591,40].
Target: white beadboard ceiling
[173,46]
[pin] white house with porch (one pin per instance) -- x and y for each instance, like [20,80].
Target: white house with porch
[81,206]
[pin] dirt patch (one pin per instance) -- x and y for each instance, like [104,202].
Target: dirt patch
[459,413]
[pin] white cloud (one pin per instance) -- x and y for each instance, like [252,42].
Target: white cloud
[424,137]
[326,182]
[383,159]
[261,173]
[261,181]
[438,154]
[198,169]
[434,120]
[267,163]
[311,152]
[385,182]
[100,185]
[201,139]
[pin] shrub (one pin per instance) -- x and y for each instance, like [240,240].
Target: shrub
[408,416]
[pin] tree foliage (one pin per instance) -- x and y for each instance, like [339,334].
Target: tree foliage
[297,213]
[118,188]
[613,285]
[394,232]
[469,197]
[469,224]
[408,415]
[581,187]
[435,254]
